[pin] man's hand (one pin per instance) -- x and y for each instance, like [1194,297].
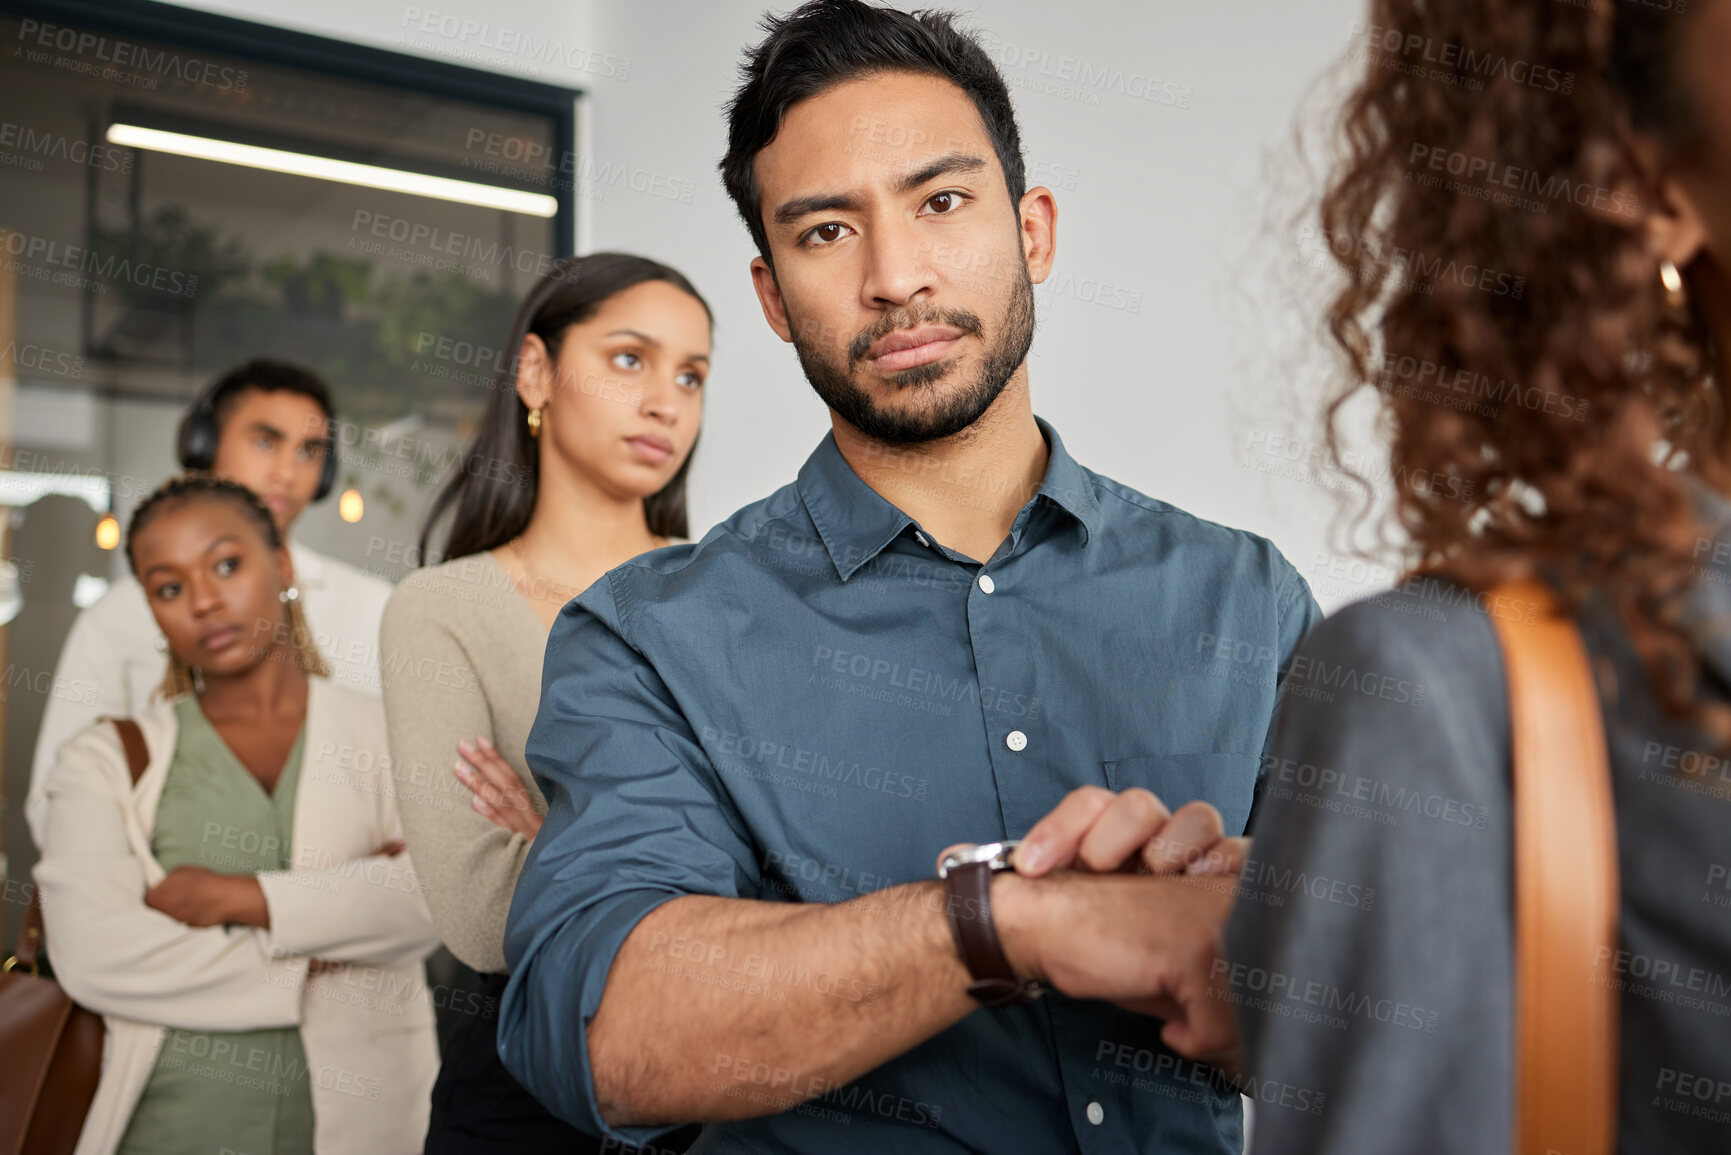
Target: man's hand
[200,897]
[1148,944]
[1096,830]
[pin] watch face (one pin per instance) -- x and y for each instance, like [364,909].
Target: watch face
[994,854]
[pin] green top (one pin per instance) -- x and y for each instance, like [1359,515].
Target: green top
[211,1090]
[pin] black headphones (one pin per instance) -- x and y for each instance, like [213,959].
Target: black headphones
[196,444]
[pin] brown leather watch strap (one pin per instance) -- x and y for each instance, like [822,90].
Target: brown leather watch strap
[968,897]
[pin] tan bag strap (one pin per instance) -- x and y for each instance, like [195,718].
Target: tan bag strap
[1566,887]
[32,933]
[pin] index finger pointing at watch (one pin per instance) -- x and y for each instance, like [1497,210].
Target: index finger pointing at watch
[1053,842]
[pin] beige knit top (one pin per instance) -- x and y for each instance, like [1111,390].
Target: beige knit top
[460,655]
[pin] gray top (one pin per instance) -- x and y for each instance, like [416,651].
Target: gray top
[460,656]
[1369,956]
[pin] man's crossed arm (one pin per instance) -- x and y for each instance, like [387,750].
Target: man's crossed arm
[1113,898]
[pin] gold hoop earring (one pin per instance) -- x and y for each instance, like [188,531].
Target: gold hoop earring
[534,423]
[1672,280]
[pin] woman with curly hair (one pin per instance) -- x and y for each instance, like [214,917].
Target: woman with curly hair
[1573,433]
[1576,434]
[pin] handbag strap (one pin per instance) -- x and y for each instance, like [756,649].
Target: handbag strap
[1566,886]
[32,935]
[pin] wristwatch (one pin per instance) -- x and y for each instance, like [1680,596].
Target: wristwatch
[967,876]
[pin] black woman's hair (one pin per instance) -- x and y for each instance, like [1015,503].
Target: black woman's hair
[194,487]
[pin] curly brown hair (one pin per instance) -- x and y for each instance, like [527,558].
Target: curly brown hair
[1515,140]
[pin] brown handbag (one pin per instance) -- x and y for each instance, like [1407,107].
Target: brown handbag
[50,1047]
[1566,885]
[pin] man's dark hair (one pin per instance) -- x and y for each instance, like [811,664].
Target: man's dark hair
[267,376]
[823,43]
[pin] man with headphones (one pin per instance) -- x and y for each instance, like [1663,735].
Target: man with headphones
[270,426]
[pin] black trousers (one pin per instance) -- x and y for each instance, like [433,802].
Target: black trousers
[480,1108]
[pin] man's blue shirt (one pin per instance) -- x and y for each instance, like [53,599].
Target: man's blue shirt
[818,697]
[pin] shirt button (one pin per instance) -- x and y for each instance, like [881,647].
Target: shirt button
[1096,1114]
[921,538]
[986,583]
[1016,740]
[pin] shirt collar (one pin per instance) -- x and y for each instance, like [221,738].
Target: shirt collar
[856,522]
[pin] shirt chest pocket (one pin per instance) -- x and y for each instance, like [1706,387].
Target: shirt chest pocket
[1227,781]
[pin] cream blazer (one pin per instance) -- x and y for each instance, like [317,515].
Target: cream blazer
[367,1026]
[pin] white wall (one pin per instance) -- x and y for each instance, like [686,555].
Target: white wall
[1192,396]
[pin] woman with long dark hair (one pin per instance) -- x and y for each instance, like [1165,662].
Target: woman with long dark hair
[579,465]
